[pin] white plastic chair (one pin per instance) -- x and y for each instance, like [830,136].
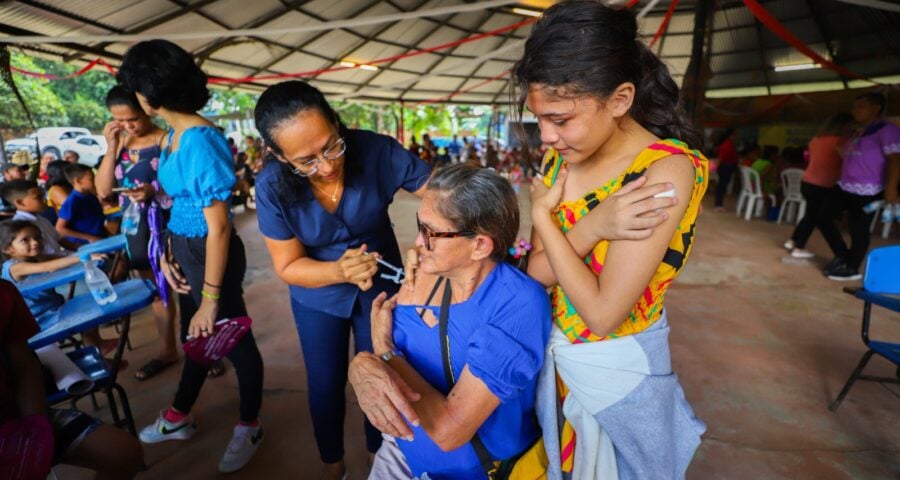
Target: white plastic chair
[752,197]
[790,182]
[885,227]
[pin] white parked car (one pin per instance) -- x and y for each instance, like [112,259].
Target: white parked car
[56,140]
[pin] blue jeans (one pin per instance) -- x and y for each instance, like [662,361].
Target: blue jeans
[325,340]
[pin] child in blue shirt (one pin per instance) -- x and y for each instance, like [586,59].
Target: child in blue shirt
[22,249]
[28,200]
[81,218]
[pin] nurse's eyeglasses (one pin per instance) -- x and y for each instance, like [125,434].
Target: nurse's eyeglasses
[428,234]
[330,153]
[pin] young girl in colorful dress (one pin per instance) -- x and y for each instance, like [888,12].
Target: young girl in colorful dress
[607,109]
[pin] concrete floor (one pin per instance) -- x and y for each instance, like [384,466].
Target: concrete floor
[761,345]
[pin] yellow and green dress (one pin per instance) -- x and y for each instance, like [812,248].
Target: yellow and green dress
[649,306]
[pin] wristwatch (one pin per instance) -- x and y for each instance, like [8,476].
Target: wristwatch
[388,355]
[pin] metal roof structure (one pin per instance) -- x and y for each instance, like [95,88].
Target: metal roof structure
[743,52]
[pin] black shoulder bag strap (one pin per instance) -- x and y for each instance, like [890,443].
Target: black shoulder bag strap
[434,290]
[487,464]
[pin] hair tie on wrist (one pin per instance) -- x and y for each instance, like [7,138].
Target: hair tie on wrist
[211,285]
[520,249]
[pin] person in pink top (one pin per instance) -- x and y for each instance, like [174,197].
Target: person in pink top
[870,172]
[819,180]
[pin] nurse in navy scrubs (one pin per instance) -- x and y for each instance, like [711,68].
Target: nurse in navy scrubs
[323,210]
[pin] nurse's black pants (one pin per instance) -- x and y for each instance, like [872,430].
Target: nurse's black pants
[191,255]
[325,341]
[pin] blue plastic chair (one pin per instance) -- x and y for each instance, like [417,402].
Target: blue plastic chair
[92,363]
[881,286]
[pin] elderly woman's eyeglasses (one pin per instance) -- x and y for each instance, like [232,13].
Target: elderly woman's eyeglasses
[428,234]
[330,153]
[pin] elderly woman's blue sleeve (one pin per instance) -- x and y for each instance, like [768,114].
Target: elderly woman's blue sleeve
[507,353]
[214,168]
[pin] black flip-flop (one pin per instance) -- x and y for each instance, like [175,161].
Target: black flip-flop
[217,369]
[151,369]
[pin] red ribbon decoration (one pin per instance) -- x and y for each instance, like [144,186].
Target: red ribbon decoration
[220,80]
[632,3]
[380,60]
[80,72]
[665,23]
[783,33]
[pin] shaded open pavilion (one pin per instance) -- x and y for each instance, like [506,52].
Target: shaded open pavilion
[761,344]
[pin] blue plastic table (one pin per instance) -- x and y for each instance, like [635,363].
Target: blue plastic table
[110,244]
[37,283]
[82,312]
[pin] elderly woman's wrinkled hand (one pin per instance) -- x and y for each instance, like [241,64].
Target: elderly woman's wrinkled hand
[543,199]
[382,319]
[383,396]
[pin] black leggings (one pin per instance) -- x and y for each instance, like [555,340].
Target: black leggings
[725,171]
[191,255]
[858,222]
[817,201]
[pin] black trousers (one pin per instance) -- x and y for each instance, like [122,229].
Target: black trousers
[817,201]
[858,222]
[725,173]
[190,253]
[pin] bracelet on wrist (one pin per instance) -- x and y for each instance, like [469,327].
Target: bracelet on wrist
[211,296]
[211,285]
[388,355]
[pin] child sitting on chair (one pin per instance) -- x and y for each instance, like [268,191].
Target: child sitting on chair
[28,200]
[81,217]
[22,249]
[76,438]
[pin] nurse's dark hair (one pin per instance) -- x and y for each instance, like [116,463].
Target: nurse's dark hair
[282,102]
[479,200]
[166,75]
[584,48]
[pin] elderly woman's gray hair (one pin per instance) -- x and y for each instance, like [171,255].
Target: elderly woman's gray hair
[479,200]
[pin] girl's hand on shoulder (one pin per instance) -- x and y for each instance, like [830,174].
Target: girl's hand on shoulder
[543,199]
[632,212]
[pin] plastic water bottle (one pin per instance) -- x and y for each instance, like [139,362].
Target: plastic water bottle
[872,206]
[97,282]
[887,215]
[131,218]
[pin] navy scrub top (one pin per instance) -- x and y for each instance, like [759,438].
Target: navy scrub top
[376,167]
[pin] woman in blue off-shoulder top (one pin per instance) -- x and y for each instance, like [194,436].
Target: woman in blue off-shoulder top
[196,171]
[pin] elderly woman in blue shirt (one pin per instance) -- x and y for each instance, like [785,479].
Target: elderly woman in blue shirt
[196,170]
[492,321]
[322,205]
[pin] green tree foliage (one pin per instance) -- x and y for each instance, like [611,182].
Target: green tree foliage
[44,104]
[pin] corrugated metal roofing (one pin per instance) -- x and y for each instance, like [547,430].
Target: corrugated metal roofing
[742,52]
